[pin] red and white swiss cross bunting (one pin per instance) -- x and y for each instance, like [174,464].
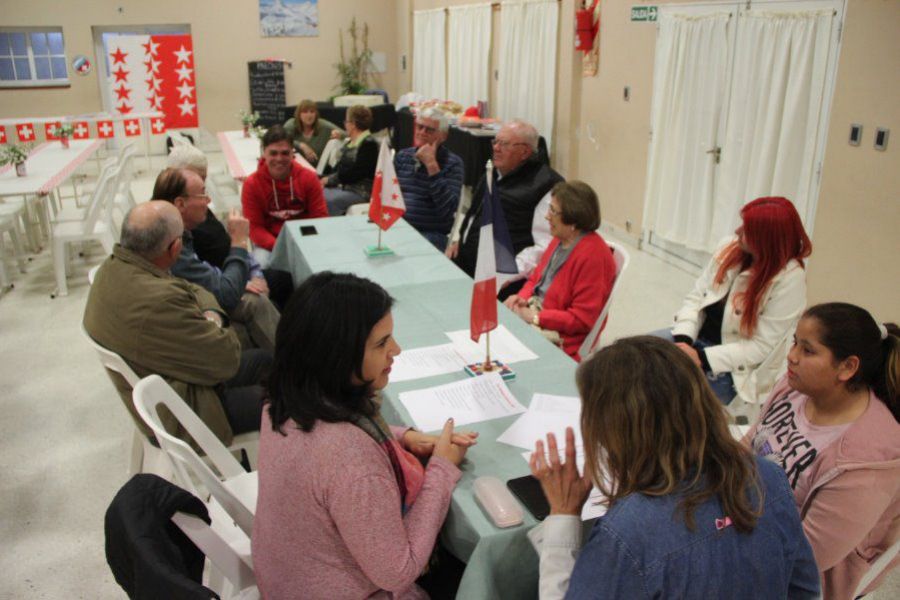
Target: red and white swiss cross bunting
[2,134]
[132,127]
[157,125]
[105,129]
[25,131]
[154,73]
[50,130]
[80,130]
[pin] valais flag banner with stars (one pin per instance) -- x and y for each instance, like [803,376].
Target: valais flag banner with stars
[386,204]
[154,73]
[495,255]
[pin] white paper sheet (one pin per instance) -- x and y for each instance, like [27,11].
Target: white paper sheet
[505,347]
[468,401]
[534,425]
[426,362]
[555,404]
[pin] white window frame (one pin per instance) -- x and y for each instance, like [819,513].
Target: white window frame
[34,82]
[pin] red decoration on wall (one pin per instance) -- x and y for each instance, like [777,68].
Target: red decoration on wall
[80,130]
[2,134]
[25,131]
[49,129]
[157,125]
[132,127]
[105,129]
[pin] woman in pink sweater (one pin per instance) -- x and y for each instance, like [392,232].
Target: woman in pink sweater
[345,507]
[832,425]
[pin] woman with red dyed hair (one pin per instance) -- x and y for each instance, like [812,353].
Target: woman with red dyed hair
[737,320]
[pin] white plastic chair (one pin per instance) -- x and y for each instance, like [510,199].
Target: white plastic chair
[358,209]
[9,216]
[235,489]
[230,557]
[95,225]
[622,258]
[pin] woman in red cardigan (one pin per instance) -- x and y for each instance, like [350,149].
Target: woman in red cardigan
[568,289]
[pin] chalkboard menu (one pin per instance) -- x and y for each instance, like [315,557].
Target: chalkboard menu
[267,90]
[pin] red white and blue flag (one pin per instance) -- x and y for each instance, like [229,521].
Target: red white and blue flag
[495,255]
[386,203]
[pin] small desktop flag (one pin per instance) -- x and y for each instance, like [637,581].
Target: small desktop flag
[495,255]
[386,203]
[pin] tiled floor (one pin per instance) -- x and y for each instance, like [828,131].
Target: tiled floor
[65,438]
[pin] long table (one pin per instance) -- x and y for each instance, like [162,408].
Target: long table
[433,297]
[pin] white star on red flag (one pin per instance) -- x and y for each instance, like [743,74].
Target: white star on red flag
[183,55]
[185,90]
[187,108]
[184,73]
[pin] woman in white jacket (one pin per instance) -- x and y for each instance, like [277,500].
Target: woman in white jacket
[736,321]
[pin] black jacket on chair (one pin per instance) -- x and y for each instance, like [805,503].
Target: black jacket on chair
[149,555]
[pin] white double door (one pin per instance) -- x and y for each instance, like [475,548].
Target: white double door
[741,97]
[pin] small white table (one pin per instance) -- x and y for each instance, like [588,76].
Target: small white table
[48,165]
[242,154]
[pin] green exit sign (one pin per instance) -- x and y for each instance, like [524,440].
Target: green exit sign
[644,13]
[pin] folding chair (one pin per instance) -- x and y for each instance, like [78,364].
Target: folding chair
[233,489]
[622,258]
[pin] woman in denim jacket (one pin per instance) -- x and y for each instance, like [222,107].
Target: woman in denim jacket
[691,513]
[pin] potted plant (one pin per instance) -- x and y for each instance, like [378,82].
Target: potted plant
[63,131]
[15,154]
[353,72]
[248,119]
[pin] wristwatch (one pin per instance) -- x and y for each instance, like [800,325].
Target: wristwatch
[535,320]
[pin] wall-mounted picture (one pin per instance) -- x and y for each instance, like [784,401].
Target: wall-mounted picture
[288,18]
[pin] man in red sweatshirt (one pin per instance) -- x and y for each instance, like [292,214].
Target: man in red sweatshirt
[280,190]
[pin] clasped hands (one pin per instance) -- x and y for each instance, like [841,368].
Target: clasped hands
[520,307]
[451,445]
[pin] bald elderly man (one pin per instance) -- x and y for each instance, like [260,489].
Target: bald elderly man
[165,325]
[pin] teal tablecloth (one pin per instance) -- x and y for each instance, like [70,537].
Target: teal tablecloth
[432,297]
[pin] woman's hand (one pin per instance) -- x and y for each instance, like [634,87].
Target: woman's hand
[514,302]
[422,444]
[309,153]
[525,312]
[691,352]
[324,180]
[565,489]
[452,250]
[445,448]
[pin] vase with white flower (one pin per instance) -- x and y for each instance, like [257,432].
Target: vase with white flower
[63,131]
[249,119]
[15,154]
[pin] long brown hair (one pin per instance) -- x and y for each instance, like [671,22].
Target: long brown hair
[775,234]
[652,425]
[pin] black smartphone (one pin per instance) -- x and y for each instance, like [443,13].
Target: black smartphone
[528,490]
[308,230]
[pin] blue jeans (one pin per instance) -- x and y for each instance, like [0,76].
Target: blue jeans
[339,200]
[722,384]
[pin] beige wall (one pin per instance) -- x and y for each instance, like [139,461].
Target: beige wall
[856,254]
[226,36]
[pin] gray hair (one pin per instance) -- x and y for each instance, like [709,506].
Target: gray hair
[149,237]
[185,156]
[526,131]
[433,112]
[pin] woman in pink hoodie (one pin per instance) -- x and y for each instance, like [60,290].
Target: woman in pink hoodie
[832,425]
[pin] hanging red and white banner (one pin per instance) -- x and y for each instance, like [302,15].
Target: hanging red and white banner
[2,134]
[154,73]
[157,125]
[80,130]
[105,129]
[132,127]
[50,130]
[25,131]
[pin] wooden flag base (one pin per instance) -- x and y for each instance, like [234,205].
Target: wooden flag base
[373,251]
[476,369]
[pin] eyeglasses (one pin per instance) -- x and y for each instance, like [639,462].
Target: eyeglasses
[202,195]
[426,128]
[504,144]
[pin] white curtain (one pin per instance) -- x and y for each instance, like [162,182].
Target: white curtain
[429,61]
[774,114]
[689,85]
[469,53]
[526,86]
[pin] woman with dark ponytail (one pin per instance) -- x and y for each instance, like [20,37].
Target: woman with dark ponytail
[831,423]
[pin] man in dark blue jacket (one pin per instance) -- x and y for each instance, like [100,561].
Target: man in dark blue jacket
[431,178]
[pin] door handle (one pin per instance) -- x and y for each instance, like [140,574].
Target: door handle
[716,152]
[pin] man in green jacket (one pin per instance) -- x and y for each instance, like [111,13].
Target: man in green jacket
[165,325]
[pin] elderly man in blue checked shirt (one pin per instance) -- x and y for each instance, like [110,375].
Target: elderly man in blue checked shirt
[431,178]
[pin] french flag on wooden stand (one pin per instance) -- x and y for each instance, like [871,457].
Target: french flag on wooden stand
[495,255]
[386,203]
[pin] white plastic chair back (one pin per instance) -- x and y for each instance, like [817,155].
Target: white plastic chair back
[358,209]
[878,567]
[152,391]
[622,258]
[237,568]
[108,358]
[100,201]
